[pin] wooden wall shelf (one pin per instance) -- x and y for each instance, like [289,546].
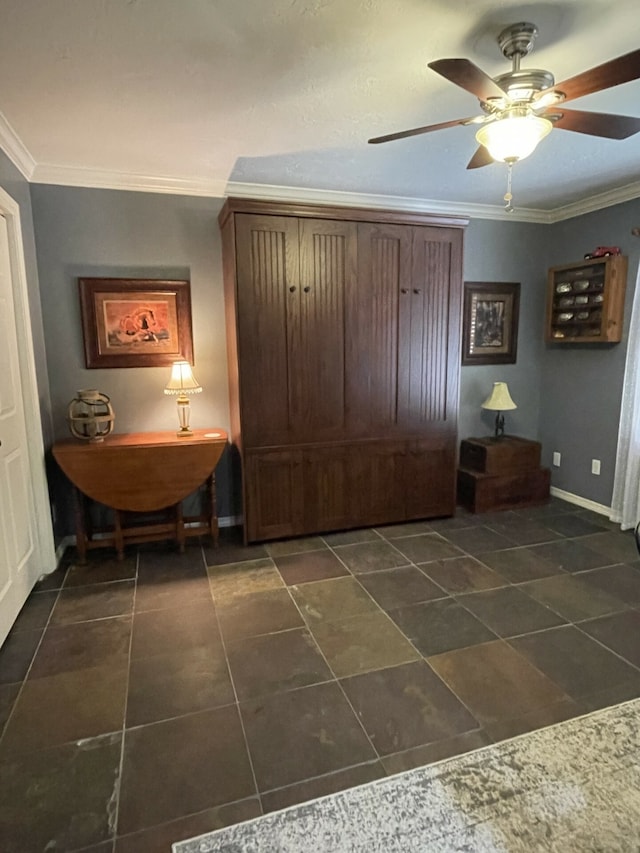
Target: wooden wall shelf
[585,301]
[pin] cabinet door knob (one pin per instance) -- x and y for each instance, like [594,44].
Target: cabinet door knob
[416,290]
[404,290]
[306,289]
[292,289]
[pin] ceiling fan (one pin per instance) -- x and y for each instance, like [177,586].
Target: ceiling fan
[521,106]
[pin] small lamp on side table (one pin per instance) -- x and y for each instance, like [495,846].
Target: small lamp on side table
[182,382]
[499,401]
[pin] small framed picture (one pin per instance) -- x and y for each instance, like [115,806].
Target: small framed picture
[490,322]
[135,322]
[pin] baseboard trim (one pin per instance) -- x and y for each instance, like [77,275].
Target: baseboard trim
[62,547]
[585,503]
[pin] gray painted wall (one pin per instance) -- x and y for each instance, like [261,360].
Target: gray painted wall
[582,385]
[502,252]
[16,185]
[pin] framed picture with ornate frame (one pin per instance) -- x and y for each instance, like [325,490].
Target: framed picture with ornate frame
[135,322]
[490,322]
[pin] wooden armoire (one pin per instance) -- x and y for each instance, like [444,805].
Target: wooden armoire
[343,330]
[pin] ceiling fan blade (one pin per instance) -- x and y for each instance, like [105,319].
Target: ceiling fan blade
[613,73]
[480,158]
[416,131]
[464,73]
[595,124]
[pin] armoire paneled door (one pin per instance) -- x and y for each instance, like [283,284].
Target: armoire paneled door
[343,330]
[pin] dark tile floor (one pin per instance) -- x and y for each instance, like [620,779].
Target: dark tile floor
[157,698]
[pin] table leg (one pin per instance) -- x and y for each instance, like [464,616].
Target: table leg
[118,535]
[213,514]
[81,531]
[180,537]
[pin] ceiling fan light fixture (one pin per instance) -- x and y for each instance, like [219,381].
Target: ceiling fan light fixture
[513,137]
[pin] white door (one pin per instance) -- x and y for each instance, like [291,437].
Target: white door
[26,541]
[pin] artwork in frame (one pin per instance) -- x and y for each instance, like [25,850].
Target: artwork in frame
[490,322]
[130,322]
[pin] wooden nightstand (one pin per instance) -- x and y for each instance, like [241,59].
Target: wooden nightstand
[502,473]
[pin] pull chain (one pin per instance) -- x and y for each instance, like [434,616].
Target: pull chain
[508,196]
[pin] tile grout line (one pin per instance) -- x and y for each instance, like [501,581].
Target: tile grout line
[119,779]
[333,679]
[327,775]
[568,623]
[232,681]
[379,757]
[33,657]
[497,639]
[608,648]
[337,681]
[421,657]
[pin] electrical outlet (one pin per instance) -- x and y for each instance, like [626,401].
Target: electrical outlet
[595,466]
[556,458]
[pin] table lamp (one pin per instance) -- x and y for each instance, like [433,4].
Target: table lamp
[499,401]
[182,383]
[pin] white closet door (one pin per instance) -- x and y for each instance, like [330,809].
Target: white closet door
[20,536]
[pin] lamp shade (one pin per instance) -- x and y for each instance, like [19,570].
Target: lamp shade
[499,400]
[182,380]
[514,136]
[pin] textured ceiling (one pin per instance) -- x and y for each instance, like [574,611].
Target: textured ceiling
[287,92]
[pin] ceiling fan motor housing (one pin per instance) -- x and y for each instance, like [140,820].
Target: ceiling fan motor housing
[523,85]
[517,40]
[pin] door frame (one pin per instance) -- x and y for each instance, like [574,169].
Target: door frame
[44,545]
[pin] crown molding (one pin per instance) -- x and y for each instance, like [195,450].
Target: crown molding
[15,149]
[596,202]
[102,179]
[44,173]
[388,202]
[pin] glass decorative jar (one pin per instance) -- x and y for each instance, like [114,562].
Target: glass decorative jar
[90,415]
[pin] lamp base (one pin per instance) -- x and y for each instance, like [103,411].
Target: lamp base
[184,416]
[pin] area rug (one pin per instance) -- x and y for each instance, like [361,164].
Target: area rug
[574,786]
